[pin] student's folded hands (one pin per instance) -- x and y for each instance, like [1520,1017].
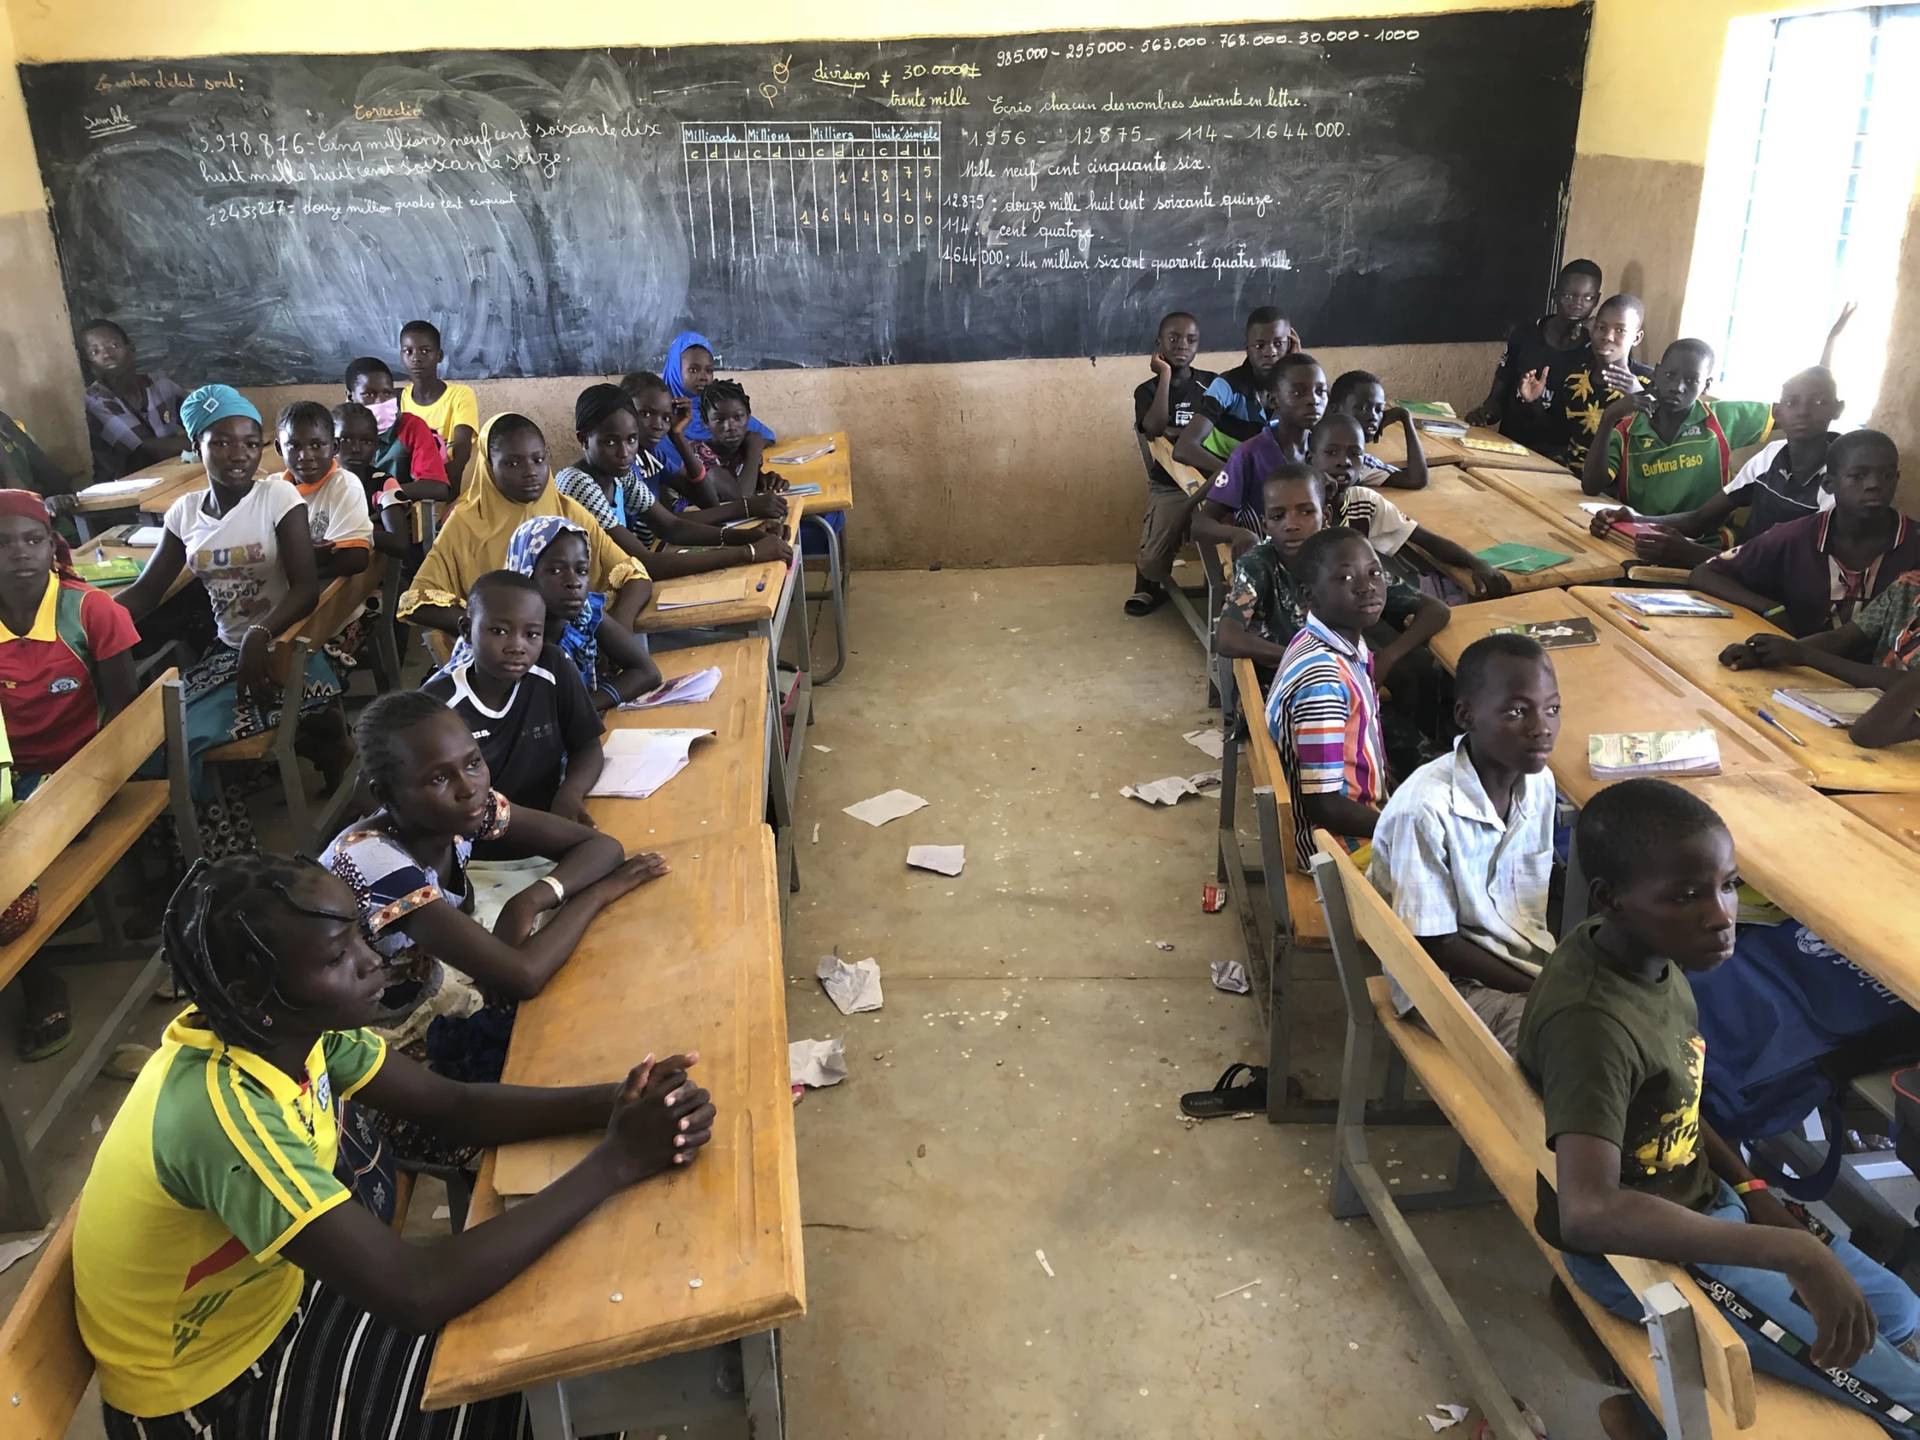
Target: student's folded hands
[660,1118]
[767,507]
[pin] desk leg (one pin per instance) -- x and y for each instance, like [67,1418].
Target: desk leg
[726,1392]
[836,591]
[782,780]
[81,525]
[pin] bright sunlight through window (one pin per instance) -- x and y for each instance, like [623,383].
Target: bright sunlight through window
[1810,172]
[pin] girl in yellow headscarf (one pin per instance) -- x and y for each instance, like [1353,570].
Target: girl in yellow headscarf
[510,486]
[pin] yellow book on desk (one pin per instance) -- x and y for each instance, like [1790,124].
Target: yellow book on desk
[1494,444]
[717,589]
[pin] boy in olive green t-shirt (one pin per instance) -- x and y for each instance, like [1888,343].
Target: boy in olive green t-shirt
[1610,1039]
[1667,449]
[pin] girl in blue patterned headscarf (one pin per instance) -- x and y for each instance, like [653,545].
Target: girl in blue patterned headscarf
[578,637]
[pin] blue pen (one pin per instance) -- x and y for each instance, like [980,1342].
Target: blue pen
[1766,716]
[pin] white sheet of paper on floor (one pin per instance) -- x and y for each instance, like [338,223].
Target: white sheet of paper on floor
[1208,740]
[639,762]
[817,1063]
[1446,1418]
[1171,789]
[946,859]
[682,690]
[855,989]
[879,809]
[17,1250]
[1231,976]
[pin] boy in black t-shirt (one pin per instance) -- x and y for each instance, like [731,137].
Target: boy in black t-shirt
[1611,1039]
[523,699]
[1543,352]
[1165,405]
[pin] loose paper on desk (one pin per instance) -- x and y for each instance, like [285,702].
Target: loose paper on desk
[1172,789]
[146,537]
[701,590]
[853,988]
[1208,740]
[946,859]
[817,1063]
[106,489]
[639,762]
[878,810]
[683,690]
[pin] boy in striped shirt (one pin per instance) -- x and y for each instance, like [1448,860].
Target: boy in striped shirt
[1323,711]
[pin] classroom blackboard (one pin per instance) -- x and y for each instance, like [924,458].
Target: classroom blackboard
[264,218]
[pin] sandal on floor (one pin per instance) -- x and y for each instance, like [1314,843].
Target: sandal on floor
[47,1029]
[1145,602]
[1227,1098]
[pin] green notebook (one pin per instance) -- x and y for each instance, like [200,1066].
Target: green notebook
[106,573]
[1521,559]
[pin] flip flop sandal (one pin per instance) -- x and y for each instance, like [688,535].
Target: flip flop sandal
[1227,1098]
[44,1036]
[1145,602]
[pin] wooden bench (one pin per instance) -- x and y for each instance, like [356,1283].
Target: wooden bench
[1296,923]
[1699,1375]
[341,603]
[65,837]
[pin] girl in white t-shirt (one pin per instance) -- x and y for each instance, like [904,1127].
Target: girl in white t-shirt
[248,544]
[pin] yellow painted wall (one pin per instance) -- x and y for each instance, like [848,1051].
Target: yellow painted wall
[934,477]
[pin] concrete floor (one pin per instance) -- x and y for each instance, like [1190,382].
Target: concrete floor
[1019,1091]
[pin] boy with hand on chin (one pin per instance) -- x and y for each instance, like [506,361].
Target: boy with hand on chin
[1612,373]
[450,410]
[1817,573]
[1165,405]
[1361,395]
[523,700]
[1464,849]
[1293,402]
[1234,409]
[1668,450]
[1610,1038]
[1337,449]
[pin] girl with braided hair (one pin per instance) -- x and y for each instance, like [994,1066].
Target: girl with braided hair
[731,450]
[224,1281]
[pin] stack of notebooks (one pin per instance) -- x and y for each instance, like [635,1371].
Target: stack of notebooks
[1837,709]
[1628,753]
[1435,417]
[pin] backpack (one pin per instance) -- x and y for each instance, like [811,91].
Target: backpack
[1788,1021]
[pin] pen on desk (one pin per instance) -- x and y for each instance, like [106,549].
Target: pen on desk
[761,586]
[1767,716]
[1632,619]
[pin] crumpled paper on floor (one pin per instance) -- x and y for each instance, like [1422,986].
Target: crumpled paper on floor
[1231,976]
[877,810]
[1209,740]
[1173,788]
[1447,1417]
[854,988]
[817,1063]
[945,859]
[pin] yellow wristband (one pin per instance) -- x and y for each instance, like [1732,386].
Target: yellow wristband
[1747,1187]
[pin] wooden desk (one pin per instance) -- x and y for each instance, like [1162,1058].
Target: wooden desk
[1392,448]
[1614,685]
[1460,505]
[1182,474]
[690,961]
[1897,816]
[724,787]
[1836,873]
[1692,645]
[832,472]
[763,585]
[166,482]
[1557,495]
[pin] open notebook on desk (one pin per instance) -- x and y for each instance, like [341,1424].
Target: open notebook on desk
[717,589]
[639,762]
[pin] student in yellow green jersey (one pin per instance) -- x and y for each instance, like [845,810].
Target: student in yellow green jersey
[1668,448]
[451,410]
[227,1283]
